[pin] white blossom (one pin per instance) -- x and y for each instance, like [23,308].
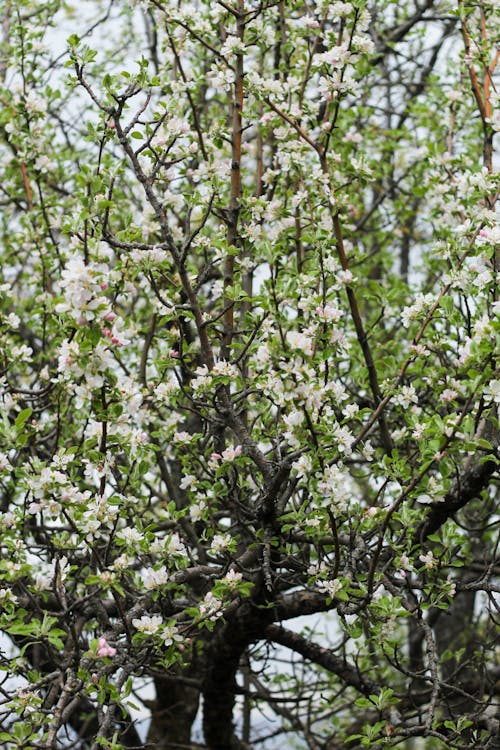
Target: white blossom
[148,624]
[330,587]
[232,578]
[302,341]
[492,391]
[429,560]
[170,635]
[152,578]
[220,543]
[211,607]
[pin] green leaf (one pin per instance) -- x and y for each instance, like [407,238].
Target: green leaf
[22,418]
[364,703]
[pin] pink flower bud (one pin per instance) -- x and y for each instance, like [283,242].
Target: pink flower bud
[110,316]
[104,649]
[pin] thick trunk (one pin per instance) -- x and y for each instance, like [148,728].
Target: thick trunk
[219,687]
[173,712]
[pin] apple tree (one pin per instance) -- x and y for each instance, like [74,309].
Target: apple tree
[249,396]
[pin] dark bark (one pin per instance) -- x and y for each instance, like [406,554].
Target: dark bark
[219,686]
[174,709]
[348,673]
[456,634]
[469,485]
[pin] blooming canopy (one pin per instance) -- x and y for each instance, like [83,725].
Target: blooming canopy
[248,336]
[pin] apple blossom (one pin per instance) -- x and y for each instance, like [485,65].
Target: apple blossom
[148,624]
[104,649]
[248,386]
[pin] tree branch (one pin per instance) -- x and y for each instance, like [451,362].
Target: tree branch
[323,657]
[474,479]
